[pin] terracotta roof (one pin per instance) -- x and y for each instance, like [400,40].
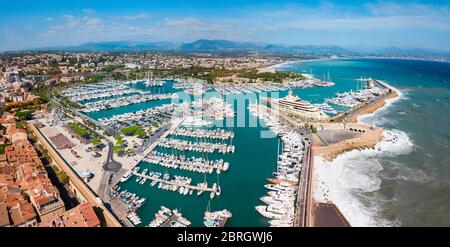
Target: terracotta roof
[4,216]
[81,216]
[6,179]
[21,213]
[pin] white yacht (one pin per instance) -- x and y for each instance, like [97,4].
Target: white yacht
[126,176]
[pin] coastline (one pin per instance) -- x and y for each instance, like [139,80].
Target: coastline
[388,101]
[318,185]
[325,211]
[274,67]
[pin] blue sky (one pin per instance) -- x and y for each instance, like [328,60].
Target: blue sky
[355,24]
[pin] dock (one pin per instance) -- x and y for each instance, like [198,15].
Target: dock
[191,187]
[203,166]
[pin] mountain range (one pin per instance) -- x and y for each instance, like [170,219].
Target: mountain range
[205,45]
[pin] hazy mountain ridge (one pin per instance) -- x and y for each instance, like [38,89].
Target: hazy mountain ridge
[205,45]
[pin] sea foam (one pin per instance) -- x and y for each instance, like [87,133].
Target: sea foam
[348,180]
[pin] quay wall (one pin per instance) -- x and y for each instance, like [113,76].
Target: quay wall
[368,108]
[82,190]
[367,140]
[372,108]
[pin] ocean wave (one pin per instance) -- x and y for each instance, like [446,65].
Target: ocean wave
[349,180]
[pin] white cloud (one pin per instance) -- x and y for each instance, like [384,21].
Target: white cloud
[292,23]
[137,17]
[140,16]
[92,21]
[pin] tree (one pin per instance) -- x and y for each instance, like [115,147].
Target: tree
[140,133]
[96,141]
[62,177]
[24,115]
[131,130]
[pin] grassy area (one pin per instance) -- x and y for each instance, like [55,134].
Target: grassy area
[134,130]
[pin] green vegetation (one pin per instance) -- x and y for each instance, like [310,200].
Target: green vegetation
[70,103]
[96,141]
[94,79]
[140,133]
[62,177]
[24,114]
[30,105]
[209,74]
[21,124]
[44,98]
[278,76]
[119,140]
[79,129]
[133,130]
[2,147]
[117,149]
[313,129]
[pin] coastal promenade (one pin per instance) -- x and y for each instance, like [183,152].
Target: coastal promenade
[304,191]
[83,192]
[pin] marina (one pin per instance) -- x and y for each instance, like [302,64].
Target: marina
[143,117]
[257,87]
[216,218]
[276,207]
[124,101]
[351,99]
[214,108]
[178,184]
[204,133]
[282,189]
[166,217]
[193,164]
[204,147]
[98,91]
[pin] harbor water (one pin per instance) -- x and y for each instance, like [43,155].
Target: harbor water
[405,184]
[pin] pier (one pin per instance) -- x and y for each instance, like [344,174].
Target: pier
[191,164]
[169,182]
[203,133]
[124,101]
[203,147]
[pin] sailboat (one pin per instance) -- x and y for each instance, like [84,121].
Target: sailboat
[219,190]
[213,193]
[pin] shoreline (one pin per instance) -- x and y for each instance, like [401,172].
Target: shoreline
[273,68]
[388,101]
[363,113]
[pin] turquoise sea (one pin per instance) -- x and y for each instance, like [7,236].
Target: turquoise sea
[408,184]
